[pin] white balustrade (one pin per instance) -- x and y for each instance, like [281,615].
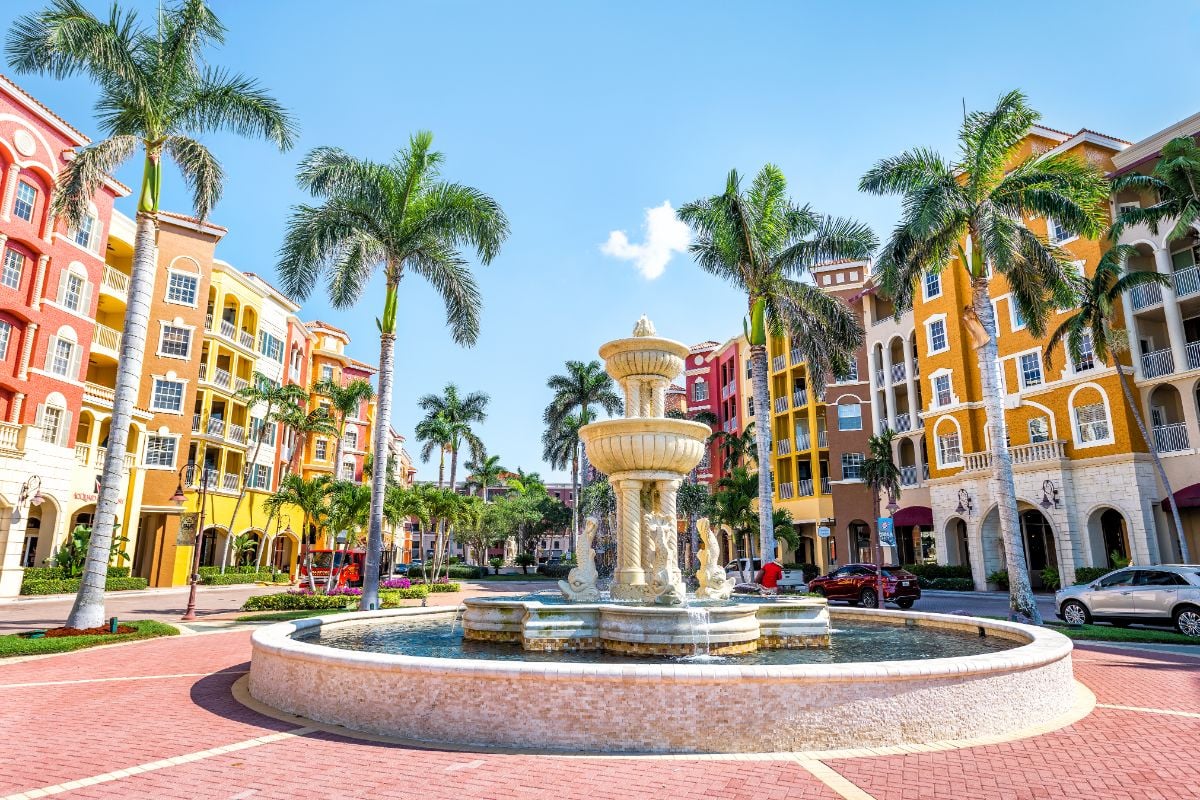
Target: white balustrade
[824,484]
[83,453]
[215,427]
[240,383]
[222,378]
[908,475]
[1159,362]
[229,482]
[778,363]
[786,491]
[903,422]
[795,356]
[879,377]
[784,446]
[1187,282]
[781,405]
[800,398]
[804,487]
[1170,438]
[1193,355]
[897,372]
[115,281]
[228,330]
[107,338]
[237,434]
[1145,295]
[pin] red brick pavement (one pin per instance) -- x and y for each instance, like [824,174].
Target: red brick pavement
[67,731]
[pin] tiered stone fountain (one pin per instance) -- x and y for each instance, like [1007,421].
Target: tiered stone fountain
[646,456]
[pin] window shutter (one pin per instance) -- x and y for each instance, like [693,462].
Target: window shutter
[73,370]
[51,346]
[85,300]
[37,420]
[61,297]
[63,430]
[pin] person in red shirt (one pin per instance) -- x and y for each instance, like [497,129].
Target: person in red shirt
[769,575]
[350,575]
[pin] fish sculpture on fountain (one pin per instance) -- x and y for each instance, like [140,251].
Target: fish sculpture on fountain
[666,582]
[714,585]
[580,585]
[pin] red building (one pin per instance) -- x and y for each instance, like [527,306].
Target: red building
[716,381]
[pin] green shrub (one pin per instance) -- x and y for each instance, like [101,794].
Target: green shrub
[460,571]
[950,584]
[932,571]
[248,569]
[1050,579]
[286,601]
[554,570]
[58,573]
[1000,578]
[496,563]
[70,585]
[1089,574]
[231,578]
[390,598]
[443,587]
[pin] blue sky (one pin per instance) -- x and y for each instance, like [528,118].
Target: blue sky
[580,117]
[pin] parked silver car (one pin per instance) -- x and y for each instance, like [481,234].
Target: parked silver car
[1162,594]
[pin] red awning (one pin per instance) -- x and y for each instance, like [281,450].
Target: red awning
[913,515]
[1188,497]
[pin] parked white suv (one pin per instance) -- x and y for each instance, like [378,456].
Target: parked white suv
[1162,594]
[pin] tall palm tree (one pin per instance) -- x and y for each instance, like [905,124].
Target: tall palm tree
[584,388]
[349,511]
[401,217]
[304,424]
[345,401]
[973,211]
[1175,182]
[459,414]
[312,498]
[1089,331]
[486,473]
[763,243]
[880,474]
[739,447]
[402,503]
[262,391]
[156,93]
[561,447]
[733,505]
[435,433]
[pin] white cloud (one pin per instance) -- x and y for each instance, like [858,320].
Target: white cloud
[666,235]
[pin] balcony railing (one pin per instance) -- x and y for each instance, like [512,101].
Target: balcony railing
[1170,438]
[822,439]
[824,484]
[728,390]
[784,446]
[908,475]
[778,363]
[897,372]
[222,378]
[903,422]
[1193,355]
[730,425]
[95,393]
[879,377]
[1160,362]
[215,427]
[787,491]
[795,356]
[1187,282]
[804,487]
[107,338]
[246,340]
[229,482]
[10,436]
[781,405]
[83,453]
[115,281]
[1146,295]
[236,433]
[1020,454]
[195,423]
[240,383]
[800,398]
[228,330]
[916,366]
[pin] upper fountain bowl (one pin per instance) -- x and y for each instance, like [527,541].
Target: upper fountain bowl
[644,355]
[658,444]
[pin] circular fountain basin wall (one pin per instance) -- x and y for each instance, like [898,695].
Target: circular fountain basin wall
[671,706]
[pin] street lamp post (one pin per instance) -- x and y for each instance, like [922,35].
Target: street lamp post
[187,474]
[31,494]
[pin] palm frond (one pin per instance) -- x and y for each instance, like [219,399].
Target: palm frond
[225,101]
[201,171]
[67,39]
[84,174]
[451,277]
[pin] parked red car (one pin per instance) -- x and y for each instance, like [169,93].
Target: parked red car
[857,583]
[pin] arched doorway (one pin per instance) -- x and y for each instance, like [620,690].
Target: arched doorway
[860,542]
[41,526]
[283,552]
[211,545]
[1040,551]
[958,545]
[1108,537]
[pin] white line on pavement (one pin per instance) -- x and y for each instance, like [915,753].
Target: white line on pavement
[1169,712]
[122,678]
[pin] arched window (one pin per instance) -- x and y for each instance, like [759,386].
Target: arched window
[948,437]
[1090,416]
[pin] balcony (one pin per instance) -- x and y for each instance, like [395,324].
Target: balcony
[731,425]
[728,389]
[1158,363]
[195,423]
[222,378]
[804,487]
[824,484]
[1187,282]
[897,373]
[822,439]
[239,384]
[879,377]
[98,395]
[83,454]
[1021,454]
[228,330]
[114,282]
[908,475]
[786,491]
[800,398]
[106,340]
[903,422]
[795,356]
[236,433]
[215,427]
[784,447]
[781,405]
[1170,438]
[230,483]
[246,340]
[916,368]
[1145,296]
[778,363]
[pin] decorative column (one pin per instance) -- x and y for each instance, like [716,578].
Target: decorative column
[874,387]
[1131,330]
[18,403]
[658,395]
[39,281]
[629,507]
[1162,263]
[910,383]
[668,491]
[27,350]
[633,397]
[10,186]
[889,396]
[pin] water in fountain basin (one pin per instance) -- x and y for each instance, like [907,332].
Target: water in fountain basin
[698,619]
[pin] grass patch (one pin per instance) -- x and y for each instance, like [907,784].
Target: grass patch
[12,645]
[284,616]
[1109,633]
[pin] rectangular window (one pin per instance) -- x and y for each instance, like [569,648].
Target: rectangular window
[322,450]
[1031,370]
[5,335]
[348,471]
[700,390]
[351,440]
[160,451]
[175,341]
[949,449]
[86,233]
[326,372]
[852,466]
[941,390]
[933,285]
[257,426]
[937,336]
[167,395]
[181,288]
[750,406]
[61,351]
[1093,423]
[270,347]
[1039,430]
[1018,319]
[72,292]
[52,427]
[1056,232]
[849,417]
[14,265]
[24,202]
[1087,355]
[261,479]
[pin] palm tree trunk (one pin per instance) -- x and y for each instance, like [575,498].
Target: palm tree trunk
[1184,557]
[1020,593]
[383,416]
[88,609]
[878,549]
[762,400]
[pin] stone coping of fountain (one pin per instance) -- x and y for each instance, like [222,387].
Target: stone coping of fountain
[670,707]
[624,445]
[644,355]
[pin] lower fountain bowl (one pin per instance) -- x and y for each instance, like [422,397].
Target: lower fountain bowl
[676,631]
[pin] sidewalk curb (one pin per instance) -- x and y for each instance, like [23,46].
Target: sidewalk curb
[161,590]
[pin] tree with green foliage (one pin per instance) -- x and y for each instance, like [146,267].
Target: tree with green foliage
[1174,186]
[561,446]
[459,413]
[485,473]
[157,93]
[344,403]
[690,503]
[583,389]
[435,433]
[311,497]
[881,475]
[304,425]
[399,216]
[764,244]
[973,212]
[733,505]
[738,447]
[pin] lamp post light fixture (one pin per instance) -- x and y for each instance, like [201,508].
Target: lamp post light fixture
[192,473]
[1050,497]
[965,504]
[30,494]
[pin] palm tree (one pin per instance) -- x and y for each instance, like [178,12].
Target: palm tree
[880,474]
[1091,325]
[486,473]
[582,389]
[345,402]
[740,447]
[401,503]
[458,413]
[156,92]
[401,217]
[974,211]
[312,498]
[561,446]
[763,243]
[262,390]
[733,505]
[435,433]
[303,425]
[349,511]
[1175,181]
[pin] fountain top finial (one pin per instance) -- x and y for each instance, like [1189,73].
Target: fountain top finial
[644,327]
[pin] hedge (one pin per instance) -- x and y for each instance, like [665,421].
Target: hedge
[1089,574]
[70,585]
[460,571]
[949,584]
[554,570]
[390,598]
[247,569]
[59,574]
[442,587]
[932,571]
[287,601]
[230,578]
